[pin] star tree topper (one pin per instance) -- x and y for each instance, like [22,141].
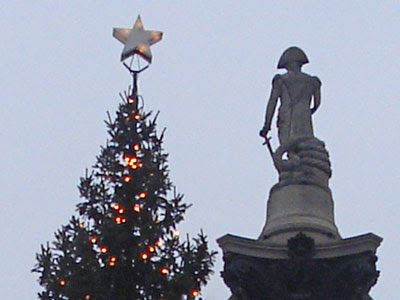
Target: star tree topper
[137,40]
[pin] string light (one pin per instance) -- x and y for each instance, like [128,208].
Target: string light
[127,179]
[164,271]
[87,297]
[62,282]
[136,147]
[121,211]
[131,100]
[81,225]
[116,206]
[160,243]
[130,160]
[176,233]
[119,220]
[140,165]
[194,293]
[93,240]
[136,208]
[144,256]
[112,261]
[136,117]
[104,249]
[142,195]
[151,249]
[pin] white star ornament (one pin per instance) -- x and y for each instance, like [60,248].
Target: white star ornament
[137,40]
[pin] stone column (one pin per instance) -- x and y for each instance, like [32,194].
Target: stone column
[299,254]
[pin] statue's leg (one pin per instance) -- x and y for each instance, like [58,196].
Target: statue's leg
[283,134]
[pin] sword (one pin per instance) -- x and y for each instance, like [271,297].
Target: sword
[268,143]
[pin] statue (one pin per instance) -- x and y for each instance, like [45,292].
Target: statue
[299,254]
[295,90]
[300,97]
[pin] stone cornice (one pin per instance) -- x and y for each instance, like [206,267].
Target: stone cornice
[257,248]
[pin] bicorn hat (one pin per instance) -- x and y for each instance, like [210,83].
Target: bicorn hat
[292,54]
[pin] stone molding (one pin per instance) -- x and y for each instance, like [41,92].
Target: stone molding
[263,249]
[301,270]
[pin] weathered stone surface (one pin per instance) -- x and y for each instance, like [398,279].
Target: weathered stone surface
[298,208]
[345,278]
[300,270]
[308,162]
[264,249]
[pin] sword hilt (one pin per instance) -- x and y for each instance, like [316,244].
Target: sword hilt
[267,139]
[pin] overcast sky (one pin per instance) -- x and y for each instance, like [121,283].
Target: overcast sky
[210,78]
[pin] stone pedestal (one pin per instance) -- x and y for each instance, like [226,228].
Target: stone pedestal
[300,254]
[300,270]
[295,208]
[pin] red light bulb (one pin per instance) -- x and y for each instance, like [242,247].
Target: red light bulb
[136,208]
[164,271]
[62,282]
[127,179]
[116,206]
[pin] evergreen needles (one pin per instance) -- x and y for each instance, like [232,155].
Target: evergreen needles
[124,244]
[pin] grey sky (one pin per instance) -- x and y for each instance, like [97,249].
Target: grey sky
[210,79]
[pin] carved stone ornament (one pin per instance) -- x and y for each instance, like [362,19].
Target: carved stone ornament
[301,246]
[344,278]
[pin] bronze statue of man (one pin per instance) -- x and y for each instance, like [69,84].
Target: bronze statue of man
[296,91]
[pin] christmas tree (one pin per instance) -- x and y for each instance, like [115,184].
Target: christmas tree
[123,243]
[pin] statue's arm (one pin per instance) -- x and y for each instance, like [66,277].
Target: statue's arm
[273,99]
[316,95]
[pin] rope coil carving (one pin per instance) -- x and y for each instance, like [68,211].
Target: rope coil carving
[306,160]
